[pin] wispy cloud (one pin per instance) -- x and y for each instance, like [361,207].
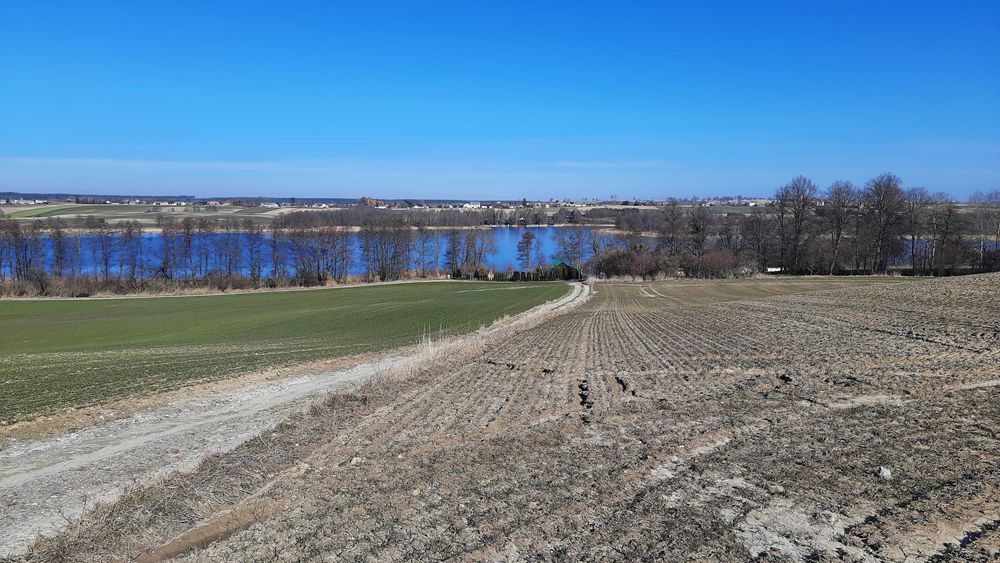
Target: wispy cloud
[605,164]
[341,177]
[138,164]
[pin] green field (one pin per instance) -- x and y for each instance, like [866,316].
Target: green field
[72,353]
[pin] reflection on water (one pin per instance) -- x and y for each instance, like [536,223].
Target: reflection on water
[83,251]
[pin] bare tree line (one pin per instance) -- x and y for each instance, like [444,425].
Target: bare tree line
[843,229]
[44,257]
[448,218]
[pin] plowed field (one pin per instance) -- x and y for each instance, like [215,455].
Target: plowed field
[797,420]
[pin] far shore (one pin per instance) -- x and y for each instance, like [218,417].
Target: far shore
[152,229]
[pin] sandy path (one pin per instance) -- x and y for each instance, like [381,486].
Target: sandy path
[46,481]
[41,481]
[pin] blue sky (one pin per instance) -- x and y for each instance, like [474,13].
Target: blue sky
[487,100]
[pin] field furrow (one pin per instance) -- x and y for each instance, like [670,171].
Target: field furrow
[787,420]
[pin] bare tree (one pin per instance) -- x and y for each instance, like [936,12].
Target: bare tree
[842,201]
[255,249]
[206,230]
[986,222]
[916,203]
[883,205]
[796,203]
[947,228]
[571,245]
[758,230]
[700,221]
[436,244]
[57,237]
[671,233]
[105,245]
[279,262]
[386,246]
[130,233]
[525,250]
[453,254]
[168,234]
[423,239]
[731,236]
[187,228]
[540,257]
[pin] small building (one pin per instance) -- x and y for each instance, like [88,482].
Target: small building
[560,270]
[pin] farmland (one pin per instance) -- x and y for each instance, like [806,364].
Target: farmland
[72,213]
[62,354]
[780,420]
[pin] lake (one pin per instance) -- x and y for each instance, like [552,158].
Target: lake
[84,248]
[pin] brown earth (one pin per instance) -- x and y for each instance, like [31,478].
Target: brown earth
[860,423]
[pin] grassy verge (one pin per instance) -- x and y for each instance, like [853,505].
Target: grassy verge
[60,354]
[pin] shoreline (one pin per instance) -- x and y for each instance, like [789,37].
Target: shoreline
[151,230]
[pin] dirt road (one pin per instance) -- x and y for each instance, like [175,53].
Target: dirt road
[44,483]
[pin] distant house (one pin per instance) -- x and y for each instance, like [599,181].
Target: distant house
[560,270]
[773,270]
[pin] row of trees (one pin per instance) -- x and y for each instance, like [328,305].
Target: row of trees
[46,257]
[362,215]
[803,230]
[843,229]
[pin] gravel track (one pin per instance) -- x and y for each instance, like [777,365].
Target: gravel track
[45,482]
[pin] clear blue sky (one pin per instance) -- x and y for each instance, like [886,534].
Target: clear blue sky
[485,100]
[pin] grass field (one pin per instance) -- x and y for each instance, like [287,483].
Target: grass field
[60,354]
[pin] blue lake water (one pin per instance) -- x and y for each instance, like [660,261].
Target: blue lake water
[84,250]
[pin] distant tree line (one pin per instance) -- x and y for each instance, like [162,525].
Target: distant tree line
[841,230]
[426,217]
